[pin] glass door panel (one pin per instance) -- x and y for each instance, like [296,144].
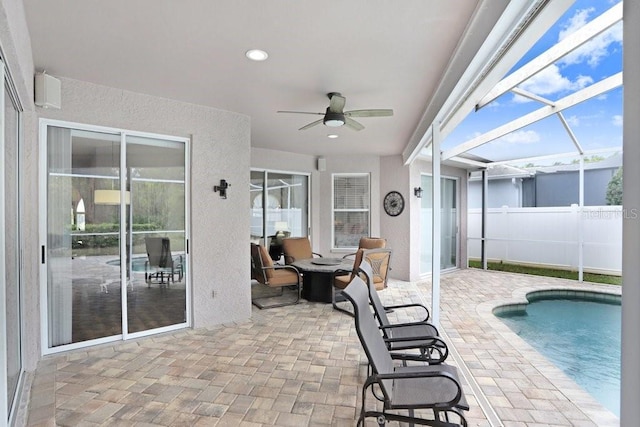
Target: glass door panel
[448,227]
[156,234]
[282,211]
[287,205]
[82,252]
[12,247]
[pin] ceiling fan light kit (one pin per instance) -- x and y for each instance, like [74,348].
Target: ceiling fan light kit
[335,116]
[332,119]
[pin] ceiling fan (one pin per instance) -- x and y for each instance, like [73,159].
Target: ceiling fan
[335,116]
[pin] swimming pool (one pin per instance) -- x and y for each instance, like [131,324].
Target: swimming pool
[138,263]
[579,332]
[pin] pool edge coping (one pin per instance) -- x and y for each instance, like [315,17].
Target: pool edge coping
[593,409]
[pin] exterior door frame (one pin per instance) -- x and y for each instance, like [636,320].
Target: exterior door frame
[43,168]
[456,180]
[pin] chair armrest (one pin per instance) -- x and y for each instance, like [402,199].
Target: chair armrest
[412,305]
[429,341]
[317,254]
[342,272]
[283,267]
[441,375]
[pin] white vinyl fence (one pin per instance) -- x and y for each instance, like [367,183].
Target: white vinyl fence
[552,236]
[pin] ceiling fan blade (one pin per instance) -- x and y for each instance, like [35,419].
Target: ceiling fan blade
[312,124]
[336,103]
[369,113]
[352,124]
[300,112]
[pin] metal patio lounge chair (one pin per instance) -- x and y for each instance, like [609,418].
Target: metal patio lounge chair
[402,337]
[433,387]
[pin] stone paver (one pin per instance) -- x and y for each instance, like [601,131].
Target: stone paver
[303,365]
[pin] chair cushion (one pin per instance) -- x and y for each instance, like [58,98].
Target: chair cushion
[282,277]
[372,243]
[341,282]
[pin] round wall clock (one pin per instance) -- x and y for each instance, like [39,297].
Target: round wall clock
[393,203]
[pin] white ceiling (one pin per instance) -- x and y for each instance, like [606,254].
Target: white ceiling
[377,53]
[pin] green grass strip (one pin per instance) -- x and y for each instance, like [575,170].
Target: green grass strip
[549,272]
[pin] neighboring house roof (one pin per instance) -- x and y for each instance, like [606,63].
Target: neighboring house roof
[502,172]
[508,172]
[611,162]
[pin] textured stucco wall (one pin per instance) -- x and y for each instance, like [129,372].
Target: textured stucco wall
[220,148]
[397,229]
[15,43]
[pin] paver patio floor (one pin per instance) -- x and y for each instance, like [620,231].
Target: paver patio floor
[303,365]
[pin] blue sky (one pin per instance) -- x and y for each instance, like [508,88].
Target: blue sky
[597,123]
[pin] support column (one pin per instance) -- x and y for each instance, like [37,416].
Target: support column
[630,375]
[483,230]
[435,225]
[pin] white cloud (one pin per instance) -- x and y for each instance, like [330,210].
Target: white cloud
[573,120]
[520,137]
[616,120]
[550,81]
[593,51]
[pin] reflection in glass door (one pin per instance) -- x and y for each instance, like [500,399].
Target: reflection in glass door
[99,218]
[448,227]
[279,212]
[156,234]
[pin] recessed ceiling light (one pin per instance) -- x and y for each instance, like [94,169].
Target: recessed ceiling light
[256,55]
[332,136]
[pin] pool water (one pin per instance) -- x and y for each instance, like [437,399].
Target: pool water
[580,336]
[138,263]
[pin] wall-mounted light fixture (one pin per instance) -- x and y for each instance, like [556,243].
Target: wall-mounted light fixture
[417,191]
[222,188]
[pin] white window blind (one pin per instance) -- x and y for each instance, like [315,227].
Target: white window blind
[351,202]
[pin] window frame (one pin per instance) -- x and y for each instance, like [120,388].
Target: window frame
[334,210]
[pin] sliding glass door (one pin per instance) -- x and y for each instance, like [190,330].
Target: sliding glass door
[107,193]
[279,207]
[448,226]
[10,282]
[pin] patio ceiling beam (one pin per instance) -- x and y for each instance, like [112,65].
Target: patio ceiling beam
[568,44]
[592,91]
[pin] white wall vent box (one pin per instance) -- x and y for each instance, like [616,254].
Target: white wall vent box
[48,91]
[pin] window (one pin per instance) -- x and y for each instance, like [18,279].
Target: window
[351,202]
